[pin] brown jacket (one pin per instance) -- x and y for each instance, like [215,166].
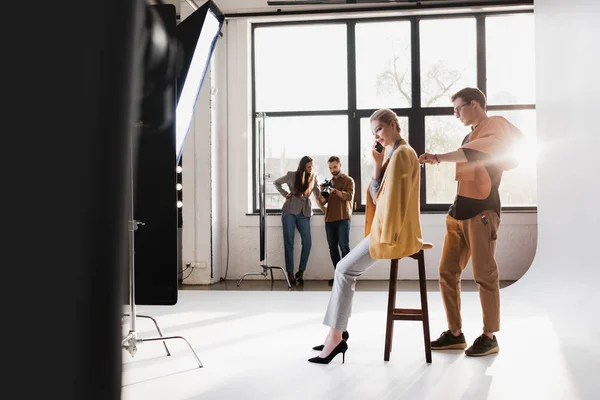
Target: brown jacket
[339,208]
[395,222]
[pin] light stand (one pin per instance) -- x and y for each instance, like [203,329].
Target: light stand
[131,341]
[262,206]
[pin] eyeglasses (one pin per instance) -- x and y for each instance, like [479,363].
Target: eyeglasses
[457,109]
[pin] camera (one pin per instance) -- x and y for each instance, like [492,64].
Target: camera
[327,187]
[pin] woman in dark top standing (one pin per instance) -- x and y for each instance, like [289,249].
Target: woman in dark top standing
[296,213]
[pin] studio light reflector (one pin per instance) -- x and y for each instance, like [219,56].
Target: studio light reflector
[197,35]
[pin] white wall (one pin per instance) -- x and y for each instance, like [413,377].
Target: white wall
[563,280]
[202,209]
[517,235]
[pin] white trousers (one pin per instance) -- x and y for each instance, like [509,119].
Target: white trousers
[346,272]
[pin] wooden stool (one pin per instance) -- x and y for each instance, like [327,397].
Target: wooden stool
[408,314]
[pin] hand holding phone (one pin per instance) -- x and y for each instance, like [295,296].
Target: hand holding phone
[377,152]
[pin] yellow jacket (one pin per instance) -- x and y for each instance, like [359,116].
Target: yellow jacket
[394,223]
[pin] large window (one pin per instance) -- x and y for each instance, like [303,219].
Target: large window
[510,73]
[318,83]
[448,58]
[510,56]
[321,137]
[383,65]
[300,68]
[442,134]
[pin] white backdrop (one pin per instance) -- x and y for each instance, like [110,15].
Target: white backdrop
[563,280]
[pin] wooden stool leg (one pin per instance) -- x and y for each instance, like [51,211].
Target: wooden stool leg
[389,329]
[423,289]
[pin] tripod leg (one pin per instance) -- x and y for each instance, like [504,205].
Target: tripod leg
[264,273]
[284,275]
[243,276]
[241,279]
[175,337]
[158,329]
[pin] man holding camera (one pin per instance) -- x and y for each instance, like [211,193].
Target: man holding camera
[336,198]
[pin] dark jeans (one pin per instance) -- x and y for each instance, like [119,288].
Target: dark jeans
[290,222]
[338,237]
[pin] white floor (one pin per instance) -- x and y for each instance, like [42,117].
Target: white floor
[254,345]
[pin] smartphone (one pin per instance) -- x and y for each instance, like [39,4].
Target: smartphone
[378,147]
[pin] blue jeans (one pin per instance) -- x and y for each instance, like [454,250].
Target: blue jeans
[338,238]
[290,222]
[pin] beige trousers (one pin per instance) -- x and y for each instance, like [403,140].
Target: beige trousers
[472,238]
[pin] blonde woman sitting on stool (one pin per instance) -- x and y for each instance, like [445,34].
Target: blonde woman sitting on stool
[392,226]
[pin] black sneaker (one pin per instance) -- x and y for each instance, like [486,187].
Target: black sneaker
[483,346]
[448,341]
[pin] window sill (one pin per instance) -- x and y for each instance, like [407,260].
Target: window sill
[504,210]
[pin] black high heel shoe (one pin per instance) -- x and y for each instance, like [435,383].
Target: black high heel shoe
[345,336]
[300,277]
[291,278]
[340,348]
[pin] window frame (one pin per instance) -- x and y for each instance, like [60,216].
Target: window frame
[416,113]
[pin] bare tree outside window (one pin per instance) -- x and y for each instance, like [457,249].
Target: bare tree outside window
[445,69]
